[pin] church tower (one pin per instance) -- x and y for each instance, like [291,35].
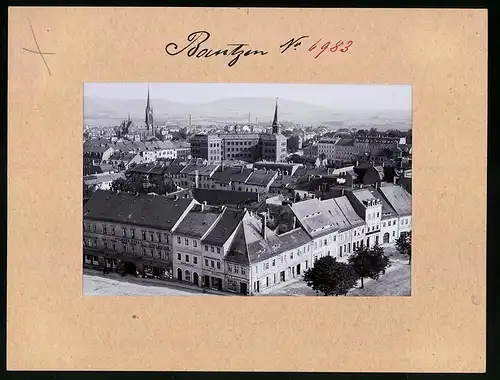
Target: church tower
[276,125]
[149,114]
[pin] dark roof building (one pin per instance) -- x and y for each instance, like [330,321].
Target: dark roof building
[141,210]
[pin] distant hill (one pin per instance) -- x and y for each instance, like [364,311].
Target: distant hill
[106,111]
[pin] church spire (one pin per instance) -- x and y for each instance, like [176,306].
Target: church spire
[149,113]
[276,125]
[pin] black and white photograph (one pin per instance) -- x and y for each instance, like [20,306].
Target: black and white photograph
[247,189]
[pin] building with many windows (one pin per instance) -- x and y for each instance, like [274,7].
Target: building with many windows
[248,147]
[132,233]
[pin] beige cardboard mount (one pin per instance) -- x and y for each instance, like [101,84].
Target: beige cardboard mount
[440,328]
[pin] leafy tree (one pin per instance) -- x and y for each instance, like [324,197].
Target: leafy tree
[125,185]
[403,245]
[331,277]
[322,156]
[369,262]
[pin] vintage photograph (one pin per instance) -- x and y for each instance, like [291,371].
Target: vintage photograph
[247,189]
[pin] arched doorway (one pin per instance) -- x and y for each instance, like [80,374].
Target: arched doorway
[179,274]
[129,267]
[187,274]
[386,237]
[196,279]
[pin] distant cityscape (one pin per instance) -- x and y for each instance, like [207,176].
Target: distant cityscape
[246,206]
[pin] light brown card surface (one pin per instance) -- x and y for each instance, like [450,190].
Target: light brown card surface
[441,327]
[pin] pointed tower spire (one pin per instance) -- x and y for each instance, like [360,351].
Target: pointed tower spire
[149,113]
[276,125]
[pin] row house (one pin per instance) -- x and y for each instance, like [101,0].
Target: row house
[369,208]
[400,201]
[198,175]
[131,233]
[259,181]
[94,155]
[191,261]
[224,178]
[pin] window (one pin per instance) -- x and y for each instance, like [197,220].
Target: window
[325,242]
[211,248]
[206,262]
[151,237]
[265,266]
[144,251]
[105,244]
[218,266]
[274,262]
[218,250]
[291,255]
[378,214]
[186,241]
[125,248]
[159,237]
[383,224]
[133,234]
[206,247]
[393,233]
[178,240]
[112,230]
[114,247]
[187,258]
[236,269]
[229,268]
[243,270]
[143,235]
[94,227]
[104,229]
[212,264]
[179,257]
[195,260]
[195,243]
[124,232]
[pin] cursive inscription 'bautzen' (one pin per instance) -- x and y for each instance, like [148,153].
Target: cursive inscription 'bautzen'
[194,48]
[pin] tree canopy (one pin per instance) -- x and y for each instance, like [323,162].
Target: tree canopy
[403,245]
[369,262]
[330,277]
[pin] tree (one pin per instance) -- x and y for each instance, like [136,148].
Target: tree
[125,185]
[331,277]
[403,245]
[369,262]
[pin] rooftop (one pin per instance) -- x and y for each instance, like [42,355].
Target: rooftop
[224,228]
[197,222]
[142,210]
[261,177]
[398,198]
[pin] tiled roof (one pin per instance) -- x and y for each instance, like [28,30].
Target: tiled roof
[224,227]
[398,198]
[261,177]
[217,197]
[197,222]
[142,210]
[346,142]
[229,174]
[348,211]
[293,239]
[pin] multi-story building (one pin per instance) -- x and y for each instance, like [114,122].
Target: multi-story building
[208,147]
[400,201]
[259,181]
[366,143]
[358,225]
[369,207]
[131,233]
[189,254]
[241,146]
[326,148]
[247,147]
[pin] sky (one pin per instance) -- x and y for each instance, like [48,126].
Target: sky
[339,96]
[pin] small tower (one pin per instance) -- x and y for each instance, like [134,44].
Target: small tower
[276,125]
[149,114]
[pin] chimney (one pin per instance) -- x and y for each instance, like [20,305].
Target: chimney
[263,228]
[241,170]
[357,163]
[175,197]
[394,180]
[294,222]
